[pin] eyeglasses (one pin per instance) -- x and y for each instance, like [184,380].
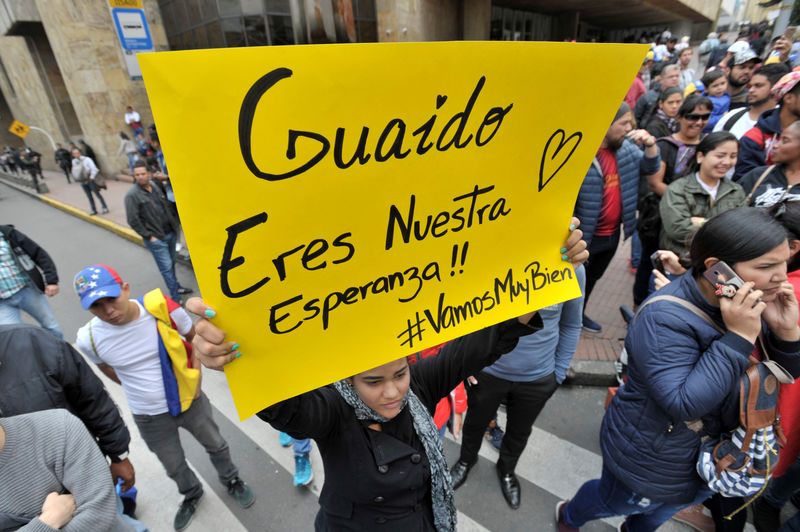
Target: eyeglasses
[693,117]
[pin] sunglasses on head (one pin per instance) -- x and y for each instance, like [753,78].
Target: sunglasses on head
[694,116]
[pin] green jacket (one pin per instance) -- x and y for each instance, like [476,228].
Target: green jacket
[685,198]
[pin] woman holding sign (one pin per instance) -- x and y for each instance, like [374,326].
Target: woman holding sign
[377,426]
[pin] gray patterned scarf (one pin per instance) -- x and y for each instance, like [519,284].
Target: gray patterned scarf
[444,508]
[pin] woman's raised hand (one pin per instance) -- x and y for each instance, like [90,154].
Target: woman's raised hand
[782,314]
[742,312]
[209,341]
[574,249]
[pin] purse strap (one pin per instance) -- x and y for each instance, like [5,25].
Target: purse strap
[685,304]
[758,182]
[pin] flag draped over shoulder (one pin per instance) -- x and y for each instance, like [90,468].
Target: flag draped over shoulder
[180,378]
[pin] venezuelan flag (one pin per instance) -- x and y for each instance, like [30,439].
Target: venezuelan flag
[180,378]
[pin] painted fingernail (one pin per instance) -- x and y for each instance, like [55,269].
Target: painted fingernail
[209,313]
[572,227]
[564,257]
[569,260]
[235,347]
[237,356]
[563,250]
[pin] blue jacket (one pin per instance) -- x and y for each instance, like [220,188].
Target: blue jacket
[631,163]
[721,106]
[680,369]
[755,146]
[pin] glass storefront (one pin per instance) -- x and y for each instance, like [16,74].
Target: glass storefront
[193,24]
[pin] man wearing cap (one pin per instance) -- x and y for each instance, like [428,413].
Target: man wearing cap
[142,344]
[150,215]
[27,275]
[755,147]
[609,194]
[741,63]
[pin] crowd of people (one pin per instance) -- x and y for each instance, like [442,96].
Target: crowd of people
[698,169]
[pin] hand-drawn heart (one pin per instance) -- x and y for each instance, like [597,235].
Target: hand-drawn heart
[440,100]
[561,143]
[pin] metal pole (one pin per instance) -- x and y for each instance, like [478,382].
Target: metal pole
[52,142]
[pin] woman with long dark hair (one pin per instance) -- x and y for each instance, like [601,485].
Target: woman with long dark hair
[683,369]
[701,193]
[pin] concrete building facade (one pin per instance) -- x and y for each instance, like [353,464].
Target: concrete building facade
[63,66]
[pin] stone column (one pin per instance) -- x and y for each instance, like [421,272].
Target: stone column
[477,19]
[85,44]
[27,99]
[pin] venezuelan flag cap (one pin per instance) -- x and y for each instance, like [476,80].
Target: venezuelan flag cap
[96,282]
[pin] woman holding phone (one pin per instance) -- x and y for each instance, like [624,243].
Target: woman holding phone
[383,458]
[682,369]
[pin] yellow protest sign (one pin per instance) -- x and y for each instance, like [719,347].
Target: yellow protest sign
[346,205]
[19,129]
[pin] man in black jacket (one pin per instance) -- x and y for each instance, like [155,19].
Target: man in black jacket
[40,372]
[27,274]
[64,161]
[149,215]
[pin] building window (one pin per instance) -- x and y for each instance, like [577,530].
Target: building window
[229,23]
[366,20]
[517,25]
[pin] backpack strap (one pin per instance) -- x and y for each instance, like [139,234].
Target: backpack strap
[694,309]
[758,182]
[91,339]
[733,119]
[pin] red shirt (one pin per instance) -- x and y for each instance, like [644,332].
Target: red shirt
[636,91]
[611,209]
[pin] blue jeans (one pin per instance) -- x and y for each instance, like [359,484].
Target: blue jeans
[89,187]
[34,303]
[160,433]
[164,253]
[301,446]
[608,497]
[636,250]
[132,159]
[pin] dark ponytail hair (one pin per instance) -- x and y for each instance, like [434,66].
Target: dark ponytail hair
[709,143]
[787,213]
[738,235]
[669,91]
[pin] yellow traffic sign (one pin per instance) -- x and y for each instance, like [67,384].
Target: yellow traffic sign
[19,129]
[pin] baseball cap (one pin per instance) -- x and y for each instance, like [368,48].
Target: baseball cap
[96,282]
[785,84]
[743,56]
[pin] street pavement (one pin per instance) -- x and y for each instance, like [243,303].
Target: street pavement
[562,453]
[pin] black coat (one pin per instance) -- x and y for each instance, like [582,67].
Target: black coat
[21,246]
[380,480]
[39,371]
[144,215]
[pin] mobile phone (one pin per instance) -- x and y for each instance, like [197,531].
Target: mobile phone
[789,33]
[658,264]
[724,280]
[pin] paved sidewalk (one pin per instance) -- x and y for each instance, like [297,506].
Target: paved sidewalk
[595,351]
